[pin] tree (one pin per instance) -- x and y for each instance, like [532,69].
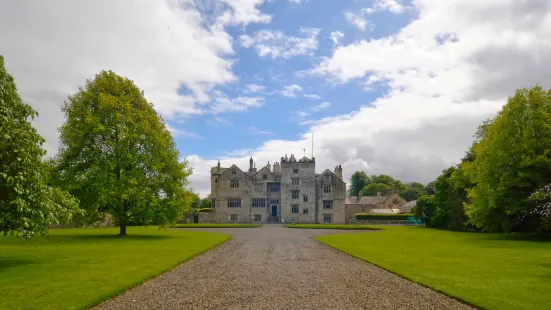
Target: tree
[206,203]
[357,182]
[512,161]
[117,156]
[424,209]
[374,188]
[412,191]
[28,205]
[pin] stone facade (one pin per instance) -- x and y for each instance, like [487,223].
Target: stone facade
[288,192]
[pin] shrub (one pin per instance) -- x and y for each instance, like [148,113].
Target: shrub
[205,210]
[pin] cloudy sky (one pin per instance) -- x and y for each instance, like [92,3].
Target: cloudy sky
[386,86]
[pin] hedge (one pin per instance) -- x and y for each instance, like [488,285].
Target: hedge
[205,210]
[382,217]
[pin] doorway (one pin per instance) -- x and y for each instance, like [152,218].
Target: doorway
[274,210]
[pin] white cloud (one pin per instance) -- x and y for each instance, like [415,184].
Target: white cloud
[291,90]
[321,106]
[254,88]
[239,104]
[312,96]
[175,132]
[278,45]
[392,6]
[448,70]
[241,12]
[359,21]
[336,36]
[147,41]
[257,131]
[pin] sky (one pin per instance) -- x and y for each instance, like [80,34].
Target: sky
[385,86]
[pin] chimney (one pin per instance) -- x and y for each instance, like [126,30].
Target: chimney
[378,194]
[277,168]
[338,171]
[360,195]
[269,166]
[218,166]
[251,164]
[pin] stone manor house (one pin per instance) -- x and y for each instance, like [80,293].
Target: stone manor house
[288,192]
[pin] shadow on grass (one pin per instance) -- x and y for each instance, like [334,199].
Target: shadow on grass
[522,237]
[6,263]
[104,237]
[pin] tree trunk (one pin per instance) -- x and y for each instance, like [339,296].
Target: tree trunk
[122,229]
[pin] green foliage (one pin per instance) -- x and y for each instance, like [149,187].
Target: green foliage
[358,181]
[382,217]
[206,203]
[80,268]
[412,191]
[117,156]
[512,160]
[28,205]
[374,188]
[491,271]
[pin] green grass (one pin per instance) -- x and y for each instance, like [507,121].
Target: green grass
[217,225]
[331,226]
[79,268]
[493,271]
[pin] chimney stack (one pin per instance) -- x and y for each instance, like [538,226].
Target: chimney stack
[338,172]
[269,166]
[277,168]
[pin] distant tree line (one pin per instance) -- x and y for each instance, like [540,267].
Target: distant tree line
[503,183]
[382,183]
[116,157]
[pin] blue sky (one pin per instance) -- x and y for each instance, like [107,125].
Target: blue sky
[277,118]
[385,86]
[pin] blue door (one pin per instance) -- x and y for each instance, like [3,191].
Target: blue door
[274,210]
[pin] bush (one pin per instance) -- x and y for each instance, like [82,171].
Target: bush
[205,210]
[382,217]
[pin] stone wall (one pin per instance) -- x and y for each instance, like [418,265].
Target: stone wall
[337,195]
[306,187]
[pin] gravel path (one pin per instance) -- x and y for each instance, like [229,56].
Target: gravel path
[279,268]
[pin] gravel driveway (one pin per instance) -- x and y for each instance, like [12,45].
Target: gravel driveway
[279,268]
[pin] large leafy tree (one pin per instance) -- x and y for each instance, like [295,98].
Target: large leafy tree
[28,205]
[117,156]
[511,162]
[358,181]
[412,191]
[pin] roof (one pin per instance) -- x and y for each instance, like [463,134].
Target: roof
[408,206]
[382,211]
[365,200]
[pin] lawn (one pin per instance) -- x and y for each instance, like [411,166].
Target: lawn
[217,225]
[78,268]
[331,226]
[493,271]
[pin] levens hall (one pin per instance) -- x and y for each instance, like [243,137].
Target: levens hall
[289,191]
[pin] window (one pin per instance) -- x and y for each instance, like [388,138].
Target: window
[274,189]
[294,194]
[294,208]
[213,203]
[264,177]
[328,204]
[327,188]
[294,181]
[327,218]
[234,172]
[304,211]
[259,203]
[274,201]
[305,198]
[234,203]
[258,218]
[233,217]
[295,171]
[234,183]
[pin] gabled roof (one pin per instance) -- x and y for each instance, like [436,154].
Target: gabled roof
[231,168]
[408,206]
[382,211]
[365,200]
[264,169]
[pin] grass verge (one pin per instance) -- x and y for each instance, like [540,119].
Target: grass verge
[492,271]
[80,268]
[217,225]
[331,226]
